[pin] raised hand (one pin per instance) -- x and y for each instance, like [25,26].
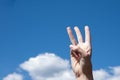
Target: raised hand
[81,52]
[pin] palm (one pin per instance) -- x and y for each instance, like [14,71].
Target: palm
[77,60]
[79,51]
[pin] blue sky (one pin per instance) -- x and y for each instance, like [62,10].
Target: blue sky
[32,27]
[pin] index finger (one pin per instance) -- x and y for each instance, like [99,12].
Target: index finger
[72,39]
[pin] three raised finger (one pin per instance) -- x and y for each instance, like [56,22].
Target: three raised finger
[79,35]
[87,34]
[71,36]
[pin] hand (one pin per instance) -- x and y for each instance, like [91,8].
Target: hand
[81,52]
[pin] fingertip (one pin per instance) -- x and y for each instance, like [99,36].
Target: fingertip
[86,27]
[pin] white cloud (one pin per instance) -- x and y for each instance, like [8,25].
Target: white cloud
[113,73]
[13,76]
[115,70]
[49,66]
[100,74]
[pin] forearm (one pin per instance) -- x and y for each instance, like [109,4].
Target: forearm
[86,72]
[85,77]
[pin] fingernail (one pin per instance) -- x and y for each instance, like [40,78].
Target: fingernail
[75,27]
[86,27]
[68,27]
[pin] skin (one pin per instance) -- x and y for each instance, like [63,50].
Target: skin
[80,52]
